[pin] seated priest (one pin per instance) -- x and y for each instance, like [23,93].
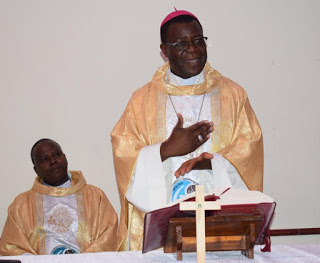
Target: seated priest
[61,213]
[188,126]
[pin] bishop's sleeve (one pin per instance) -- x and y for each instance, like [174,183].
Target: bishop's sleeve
[127,141]
[245,151]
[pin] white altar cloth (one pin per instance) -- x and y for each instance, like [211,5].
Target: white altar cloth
[280,254]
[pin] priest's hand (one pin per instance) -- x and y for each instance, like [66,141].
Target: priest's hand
[203,161]
[185,140]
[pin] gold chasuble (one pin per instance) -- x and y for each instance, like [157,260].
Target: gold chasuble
[237,136]
[44,218]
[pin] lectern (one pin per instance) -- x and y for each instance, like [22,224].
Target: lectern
[222,232]
[200,234]
[242,222]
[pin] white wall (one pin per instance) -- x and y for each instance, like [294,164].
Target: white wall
[69,67]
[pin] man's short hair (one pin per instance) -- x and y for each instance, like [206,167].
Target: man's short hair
[178,19]
[34,146]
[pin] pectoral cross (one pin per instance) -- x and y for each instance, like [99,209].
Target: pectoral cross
[200,206]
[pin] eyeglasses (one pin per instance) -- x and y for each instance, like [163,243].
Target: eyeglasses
[183,45]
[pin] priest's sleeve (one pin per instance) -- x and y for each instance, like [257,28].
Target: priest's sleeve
[103,222]
[14,240]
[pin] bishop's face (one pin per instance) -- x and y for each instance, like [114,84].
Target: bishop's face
[191,61]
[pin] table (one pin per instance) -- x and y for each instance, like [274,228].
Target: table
[280,254]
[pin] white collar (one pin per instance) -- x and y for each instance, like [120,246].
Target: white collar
[177,81]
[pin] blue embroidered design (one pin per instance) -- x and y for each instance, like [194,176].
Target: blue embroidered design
[63,250]
[182,187]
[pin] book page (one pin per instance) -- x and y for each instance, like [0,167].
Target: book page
[237,197]
[232,196]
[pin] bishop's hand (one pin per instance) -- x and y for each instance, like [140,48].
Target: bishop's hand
[203,161]
[185,140]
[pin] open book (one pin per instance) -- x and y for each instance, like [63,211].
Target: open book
[233,201]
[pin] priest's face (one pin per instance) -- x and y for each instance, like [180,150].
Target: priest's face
[189,61]
[50,163]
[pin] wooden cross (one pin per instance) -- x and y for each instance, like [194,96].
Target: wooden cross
[200,206]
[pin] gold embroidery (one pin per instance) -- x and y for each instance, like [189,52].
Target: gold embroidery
[161,119]
[60,220]
[215,116]
[83,236]
[38,236]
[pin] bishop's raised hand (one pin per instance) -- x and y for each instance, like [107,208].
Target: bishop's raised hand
[185,140]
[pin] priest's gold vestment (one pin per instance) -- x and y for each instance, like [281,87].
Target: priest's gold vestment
[237,136]
[24,229]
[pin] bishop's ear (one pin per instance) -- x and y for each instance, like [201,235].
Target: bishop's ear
[164,49]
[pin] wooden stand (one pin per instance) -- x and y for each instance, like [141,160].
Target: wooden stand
[200,206]
[222,232]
